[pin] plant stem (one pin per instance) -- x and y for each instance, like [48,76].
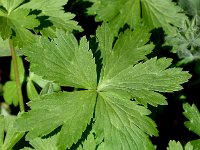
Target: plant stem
[17,79]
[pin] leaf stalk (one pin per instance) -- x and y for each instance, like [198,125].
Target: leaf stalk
[16,72]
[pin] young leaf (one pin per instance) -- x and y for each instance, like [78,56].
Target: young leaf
[192,113]
[73,110]
[155,14]
[64,61]
[16,21]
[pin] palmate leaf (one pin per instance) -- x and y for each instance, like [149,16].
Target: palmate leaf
[17,20]
[118,123]
[162,13]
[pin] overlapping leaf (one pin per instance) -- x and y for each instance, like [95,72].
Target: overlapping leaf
[16,21]
[119,122]
[55,14]
[162,13]
[17,17]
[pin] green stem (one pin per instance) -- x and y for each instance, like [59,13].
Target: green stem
[17,79]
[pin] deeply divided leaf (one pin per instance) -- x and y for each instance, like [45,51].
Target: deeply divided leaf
[117,122]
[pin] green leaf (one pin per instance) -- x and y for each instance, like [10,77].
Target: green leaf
[11,4]
[173,145]
[10,93]
[192,113]
[145,78]
[105,39]
[31,90]
[72,110]
[41,82]
[123,123]
[155,14]
[44,144]
[64,61]
[12,136]
[55,13]
[128,49]
[16,22]
[195,144]
[89,143]
[162,13]
[113,105]
[48,89]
